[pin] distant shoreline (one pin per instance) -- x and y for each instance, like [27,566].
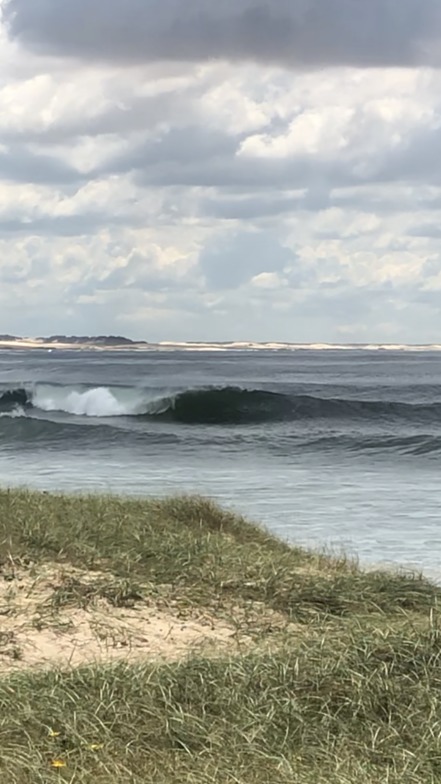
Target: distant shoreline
[62,343]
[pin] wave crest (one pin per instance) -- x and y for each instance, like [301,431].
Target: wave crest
[94,402]
[207,405]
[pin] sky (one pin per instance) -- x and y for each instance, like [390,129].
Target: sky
[261,170]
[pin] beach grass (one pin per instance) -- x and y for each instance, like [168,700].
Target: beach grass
[321,672]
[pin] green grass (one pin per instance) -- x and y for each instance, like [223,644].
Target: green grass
[350,694]
[204,554]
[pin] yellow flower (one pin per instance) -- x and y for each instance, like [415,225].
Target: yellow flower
[57,763]
[96,746]
[53,734]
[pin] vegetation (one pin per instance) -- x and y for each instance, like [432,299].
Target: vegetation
[333,674]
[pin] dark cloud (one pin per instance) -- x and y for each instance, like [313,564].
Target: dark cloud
[178,148]
[430,230]
[193,156]
[250,207]
[192,165]
[431,269]
[305,33]
[414,160]
[264,206]
[61,225]
[19,164]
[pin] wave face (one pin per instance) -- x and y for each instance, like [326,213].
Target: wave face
[12,398]
[207,405]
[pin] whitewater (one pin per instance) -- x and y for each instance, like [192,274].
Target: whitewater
[328,446]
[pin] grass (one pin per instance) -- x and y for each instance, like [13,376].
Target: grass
[204,554]
[345,687]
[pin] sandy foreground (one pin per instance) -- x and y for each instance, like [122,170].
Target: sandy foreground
[43,623]
[61,616]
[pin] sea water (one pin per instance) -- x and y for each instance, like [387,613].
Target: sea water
[331,448]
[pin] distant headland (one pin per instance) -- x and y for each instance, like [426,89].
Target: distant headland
[71,342]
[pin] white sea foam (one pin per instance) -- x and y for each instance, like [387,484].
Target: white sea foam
[95,402]
[14,414]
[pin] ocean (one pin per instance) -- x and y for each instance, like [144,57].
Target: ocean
[339,449]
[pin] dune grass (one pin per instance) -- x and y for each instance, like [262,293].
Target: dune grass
[201,552]
[348,692]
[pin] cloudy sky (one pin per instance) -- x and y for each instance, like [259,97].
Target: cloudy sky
[250,169]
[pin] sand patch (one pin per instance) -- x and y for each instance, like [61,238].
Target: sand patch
[66,617]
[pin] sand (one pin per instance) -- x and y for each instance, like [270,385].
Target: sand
[60,616]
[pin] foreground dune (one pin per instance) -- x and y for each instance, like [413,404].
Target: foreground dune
[171,641]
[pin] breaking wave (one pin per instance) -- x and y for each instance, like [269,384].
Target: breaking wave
[207,405]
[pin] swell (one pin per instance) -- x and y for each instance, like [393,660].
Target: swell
[19,430]
[421,444]
[209,405]
[22,430]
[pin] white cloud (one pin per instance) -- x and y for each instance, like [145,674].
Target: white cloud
[267,280]
[259,199]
